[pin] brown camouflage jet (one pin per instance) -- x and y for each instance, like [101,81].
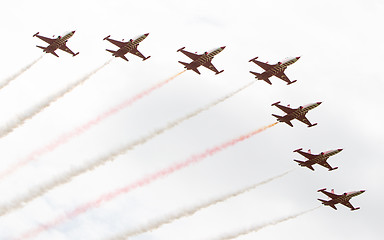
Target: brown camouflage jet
[56,43]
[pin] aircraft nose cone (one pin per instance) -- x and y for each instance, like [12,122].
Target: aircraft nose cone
[319,103]
[340,149]
[362,191]
[146,34]
[298,58]
[73,31]
[223,47]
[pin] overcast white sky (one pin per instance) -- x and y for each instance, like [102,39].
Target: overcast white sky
[341,44]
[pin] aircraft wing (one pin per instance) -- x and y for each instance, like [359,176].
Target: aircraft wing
[66,49]
[348,204]
[210,66]
[331,195]
[305,120]
[137,53]
[192,56]
[115,42]
[263,65]
[284,108]
[325,164]
[282,76]
[45,39]
[306,155]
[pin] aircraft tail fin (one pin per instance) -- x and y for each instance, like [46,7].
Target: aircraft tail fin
[304,164]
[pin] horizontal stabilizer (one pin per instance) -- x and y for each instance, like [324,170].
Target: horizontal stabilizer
[123,57]
[107,37]
[76,54]
[41,47]
[259,77]
[304,164]
[298,150]
[291,82]
[277,116]
[220,72]
[111,51]
[146,58]
[36,34]
[180,49]
[185,64]
[355,209]
[274,104]
[312,125]
[320,190]
[333,168]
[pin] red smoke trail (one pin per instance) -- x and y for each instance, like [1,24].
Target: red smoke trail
[140,183]
[83,128]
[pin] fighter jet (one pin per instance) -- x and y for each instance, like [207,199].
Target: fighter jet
[127,47]
[201,60]
[343,198]
[320,159]
[273,70]
[298,113]
[56,43]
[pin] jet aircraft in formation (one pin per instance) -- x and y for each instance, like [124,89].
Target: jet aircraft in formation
[201,60]
[127,47]
[56,43]
[320,159]
[298,113]
[205,60]
[273,70]
[343,198]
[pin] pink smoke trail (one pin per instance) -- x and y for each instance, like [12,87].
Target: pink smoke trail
[140,183]
[64,138]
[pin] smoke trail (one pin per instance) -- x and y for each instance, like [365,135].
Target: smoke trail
[21,119]
[64,138]
[23,70]
[66,177]
[142,182]
[192,210]
[256,228]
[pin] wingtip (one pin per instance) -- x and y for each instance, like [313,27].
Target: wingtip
[299,149]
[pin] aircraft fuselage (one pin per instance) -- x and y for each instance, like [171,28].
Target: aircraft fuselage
[59,41]
[205,58]
[344,198]
[129,46]
[301,111]
[322,157]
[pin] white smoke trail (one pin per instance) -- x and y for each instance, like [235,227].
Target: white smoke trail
[190,211]
[256,228]
[33,111]
[89,166]
[23,70]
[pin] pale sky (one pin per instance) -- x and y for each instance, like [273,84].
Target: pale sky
[341,49]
